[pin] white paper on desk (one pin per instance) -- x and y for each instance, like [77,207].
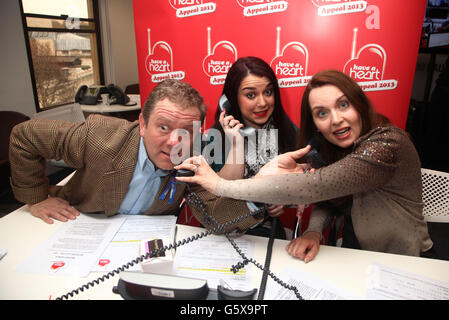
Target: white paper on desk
[74,247]
[125,246]
[211,258]
[386,283]
[309,287]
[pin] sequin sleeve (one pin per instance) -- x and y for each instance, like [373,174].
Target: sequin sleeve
[371,164]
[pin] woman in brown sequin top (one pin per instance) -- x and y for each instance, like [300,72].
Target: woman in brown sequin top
[372,177]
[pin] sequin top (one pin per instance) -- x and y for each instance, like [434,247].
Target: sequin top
[382,173]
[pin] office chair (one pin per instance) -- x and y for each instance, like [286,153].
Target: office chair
[435,195]
[436,210]
[8,119]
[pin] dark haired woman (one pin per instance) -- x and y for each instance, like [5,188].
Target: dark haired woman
[252,90]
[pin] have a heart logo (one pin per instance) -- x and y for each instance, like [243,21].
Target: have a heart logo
[290,63]
[187,8]
[259,7]
[367,66]
[336,7]
[159,61]
[179,4]
[218,60]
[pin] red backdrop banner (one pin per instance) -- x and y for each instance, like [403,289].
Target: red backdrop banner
[376,42]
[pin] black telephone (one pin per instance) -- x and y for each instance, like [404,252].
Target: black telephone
[143,287]
[224,104]
[313,157]
[92,95]
[116,95]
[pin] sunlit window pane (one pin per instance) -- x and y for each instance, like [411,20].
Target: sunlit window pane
[63,51]
[71,8]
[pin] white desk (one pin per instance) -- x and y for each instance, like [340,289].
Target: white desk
[103,108]
[21,234]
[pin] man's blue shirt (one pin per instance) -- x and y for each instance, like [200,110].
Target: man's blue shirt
[144,184]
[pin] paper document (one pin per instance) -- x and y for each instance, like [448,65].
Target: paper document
[211,258]
[125,246]
[309,287]
[74,247]
[386,283]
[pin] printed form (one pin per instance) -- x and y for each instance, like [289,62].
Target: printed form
[309,287]
[386,283]
[97,243]
[211,258]
[125,246]
[74,247]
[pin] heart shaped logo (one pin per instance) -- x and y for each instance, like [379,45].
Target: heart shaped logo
[160,60]
[219,59]
[292,62]
[103,262]
[179,4]
[223,56]
[57,265]
[368,65]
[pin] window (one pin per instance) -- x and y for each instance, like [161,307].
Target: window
[64,49]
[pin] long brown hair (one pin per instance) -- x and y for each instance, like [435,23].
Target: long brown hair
[355,96]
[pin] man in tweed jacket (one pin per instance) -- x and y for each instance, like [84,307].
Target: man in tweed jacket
[120,166]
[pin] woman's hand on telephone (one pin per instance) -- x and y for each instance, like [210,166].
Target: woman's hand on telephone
[204,175]
[231,126]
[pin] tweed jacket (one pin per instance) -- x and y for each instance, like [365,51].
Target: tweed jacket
[102,149]
[383,175]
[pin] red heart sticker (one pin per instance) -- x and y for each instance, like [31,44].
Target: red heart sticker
[58,264]
[103,262]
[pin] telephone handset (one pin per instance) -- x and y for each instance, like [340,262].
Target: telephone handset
[117,96]
[226,105]
[90,95]
[313,157]
[140,284]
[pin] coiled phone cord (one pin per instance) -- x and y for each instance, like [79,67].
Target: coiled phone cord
[193,199]
[157,252]
[263,282]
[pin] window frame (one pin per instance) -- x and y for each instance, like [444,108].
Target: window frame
[26,30]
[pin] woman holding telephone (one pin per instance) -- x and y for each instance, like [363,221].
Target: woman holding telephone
[251,100]
[372,179]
